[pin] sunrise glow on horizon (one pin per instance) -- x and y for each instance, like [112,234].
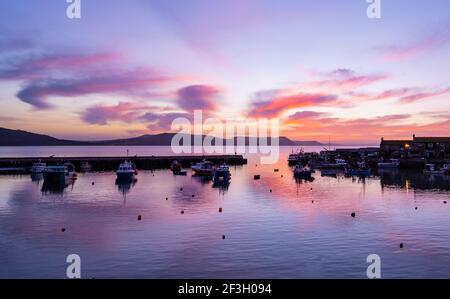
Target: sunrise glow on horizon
[128,68]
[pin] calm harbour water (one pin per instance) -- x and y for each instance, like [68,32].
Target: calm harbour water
[300,230]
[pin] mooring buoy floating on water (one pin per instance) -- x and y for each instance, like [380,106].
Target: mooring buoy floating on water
[257,177]
[182,212]
[276,170]
[220,210]
[181,189]
[353,215]
[401,245]
[63,229]
[445,202]
[139,217]
[167,198]
[223,237]
[416,208]
[193,195]
[93,183]
[271,190]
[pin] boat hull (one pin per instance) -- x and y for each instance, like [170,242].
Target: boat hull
[125,176]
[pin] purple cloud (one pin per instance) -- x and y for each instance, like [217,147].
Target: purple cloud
[198,97]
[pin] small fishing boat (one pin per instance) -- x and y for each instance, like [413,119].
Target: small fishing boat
[175,167]
[338,164]
[296,157]
[204,168]
[85,167]
[301,171]
[126,171]
[222,173]
[392,164]
[60,174]
[38,167]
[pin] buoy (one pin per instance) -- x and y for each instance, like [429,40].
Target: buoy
[282,176]
[353,215]
[312,201]
[181,189]
[223,237]
[276,170]
[167,198]
[63,229]
[193,195]
[445,202]
[416,208]
[220,210]
[139,217]
[270,190]
[182,212]
[401,245]
[93,183]
[257,177]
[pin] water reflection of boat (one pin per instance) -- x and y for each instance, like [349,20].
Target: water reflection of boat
[413,179]
[37,177]
[56,187]
[362,170]
[204,168]
[124,186]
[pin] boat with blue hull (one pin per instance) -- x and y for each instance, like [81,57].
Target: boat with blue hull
[126,172]
[303,172]
[222,173]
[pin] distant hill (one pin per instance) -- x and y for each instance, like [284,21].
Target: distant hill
[22,138]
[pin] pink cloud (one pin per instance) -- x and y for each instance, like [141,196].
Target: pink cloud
[432,40]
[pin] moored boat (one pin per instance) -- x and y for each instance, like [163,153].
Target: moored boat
[85,167]
[222,173]
[126,171]
[301,171]
[60,174]
[204,168]
[38,167]
[392,163]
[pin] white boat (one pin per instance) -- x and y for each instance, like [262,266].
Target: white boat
[60,174]
[38,167]
[126,171]
[204,168]
[393,163]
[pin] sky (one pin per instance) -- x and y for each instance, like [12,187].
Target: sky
[128,68]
